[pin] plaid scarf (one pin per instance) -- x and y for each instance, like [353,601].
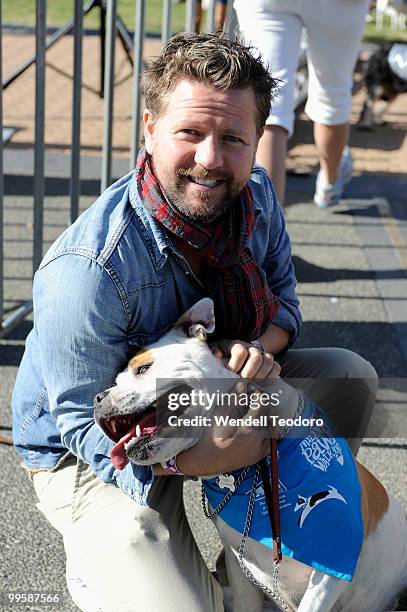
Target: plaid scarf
[244,304]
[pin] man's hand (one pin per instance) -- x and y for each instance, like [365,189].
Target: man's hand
[220,455]
[246,360]
[224,451]
[223,448]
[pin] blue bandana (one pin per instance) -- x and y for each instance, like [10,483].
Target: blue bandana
[320,501]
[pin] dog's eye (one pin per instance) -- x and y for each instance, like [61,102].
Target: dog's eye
[143,368]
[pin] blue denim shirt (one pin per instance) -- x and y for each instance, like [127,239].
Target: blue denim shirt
[110,283]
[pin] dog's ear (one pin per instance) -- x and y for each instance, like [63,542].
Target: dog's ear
[199,320]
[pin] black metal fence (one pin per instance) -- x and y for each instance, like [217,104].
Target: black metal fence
[111,27]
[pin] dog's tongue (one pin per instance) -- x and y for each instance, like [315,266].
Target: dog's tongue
[118,455]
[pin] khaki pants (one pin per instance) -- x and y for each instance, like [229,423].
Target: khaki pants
[122,557]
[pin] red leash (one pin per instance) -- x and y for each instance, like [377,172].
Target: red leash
[272,501]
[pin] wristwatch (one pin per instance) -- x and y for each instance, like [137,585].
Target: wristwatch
[258,345]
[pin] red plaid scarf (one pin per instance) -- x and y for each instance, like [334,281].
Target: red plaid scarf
[244,304]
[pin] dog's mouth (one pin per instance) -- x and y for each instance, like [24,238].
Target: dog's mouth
[129,430]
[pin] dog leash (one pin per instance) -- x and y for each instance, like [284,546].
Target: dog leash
[271,488]
[272,501]
[274,591]
[271,495]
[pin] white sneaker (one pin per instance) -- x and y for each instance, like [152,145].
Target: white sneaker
[329,194]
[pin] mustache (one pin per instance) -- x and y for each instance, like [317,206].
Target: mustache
[202,174]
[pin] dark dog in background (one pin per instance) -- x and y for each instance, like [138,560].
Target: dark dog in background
[382,84]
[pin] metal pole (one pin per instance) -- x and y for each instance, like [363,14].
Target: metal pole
[211,16]
[125,39]
[102,40]
[138,66]
[166,29]
[40,34]
[1,180]
[15,319]
[190,15]
[76,111]
[51,40]
[231,26]
[108,94]
[67,27]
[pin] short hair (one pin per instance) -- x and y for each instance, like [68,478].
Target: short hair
[212,59]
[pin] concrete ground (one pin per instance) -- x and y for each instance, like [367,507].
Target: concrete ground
[350,262]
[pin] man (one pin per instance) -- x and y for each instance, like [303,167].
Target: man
[194,219]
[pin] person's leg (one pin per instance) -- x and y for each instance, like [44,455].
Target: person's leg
[341,382]
[275,31]
[55,493]
[220,14]
[334,34]
[127,558]
[334,37]
[330,141]
[271,154]
[198,16]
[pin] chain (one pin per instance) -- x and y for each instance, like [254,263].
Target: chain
[283,431]
[274,592]
[228,495]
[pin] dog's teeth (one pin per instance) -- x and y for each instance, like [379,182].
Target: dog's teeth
[113,425]
[127,444]
[138,431]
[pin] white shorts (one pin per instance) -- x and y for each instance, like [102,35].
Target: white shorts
[334,29]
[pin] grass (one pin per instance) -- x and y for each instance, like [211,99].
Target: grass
[59,11]
[22,12]
[386,34]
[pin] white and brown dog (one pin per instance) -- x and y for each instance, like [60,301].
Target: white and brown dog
[182,361]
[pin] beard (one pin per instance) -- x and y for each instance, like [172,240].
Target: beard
[203,207]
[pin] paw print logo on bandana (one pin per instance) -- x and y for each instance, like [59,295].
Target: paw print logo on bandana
[319,452]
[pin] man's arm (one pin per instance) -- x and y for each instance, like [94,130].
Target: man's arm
[275,339]
[228,448]
[219,452]
[221,455]
[81,325]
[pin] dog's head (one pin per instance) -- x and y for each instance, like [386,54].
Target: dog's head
[134,413]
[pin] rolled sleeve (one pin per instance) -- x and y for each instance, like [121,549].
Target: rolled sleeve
[277,262]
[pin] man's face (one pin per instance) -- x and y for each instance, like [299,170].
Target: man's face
[203,146]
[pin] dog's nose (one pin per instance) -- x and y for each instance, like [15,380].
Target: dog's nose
[98,399]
